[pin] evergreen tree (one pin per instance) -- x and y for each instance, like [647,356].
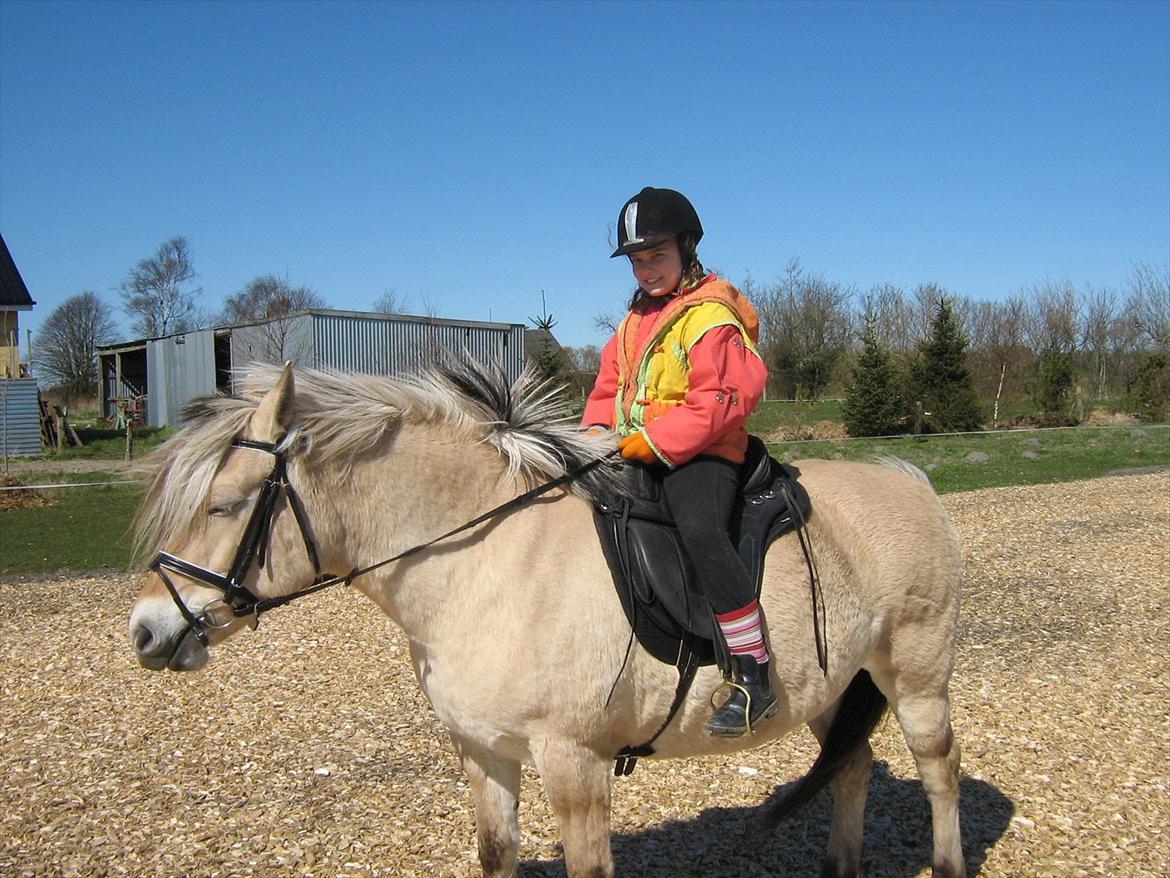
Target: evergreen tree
[1055,381]
[547,359]
[1149,392]
[940,380]
[872,403]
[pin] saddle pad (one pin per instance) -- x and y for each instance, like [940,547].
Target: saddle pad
[655,581]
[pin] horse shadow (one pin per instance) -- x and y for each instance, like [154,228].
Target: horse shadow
[732,841]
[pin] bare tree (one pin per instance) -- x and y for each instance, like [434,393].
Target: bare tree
[66,348]
[805,326]
[269,301]
[1099,312]
[156,295]
[1148,304]
[997,348]
[585,359]
[389,302]
[882,309]
[607,322]
[1053,318]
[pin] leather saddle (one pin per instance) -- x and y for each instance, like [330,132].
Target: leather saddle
[655,581]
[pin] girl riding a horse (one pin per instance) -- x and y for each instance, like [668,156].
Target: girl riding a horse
[677,382]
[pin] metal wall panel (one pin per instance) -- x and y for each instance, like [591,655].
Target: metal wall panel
[275,341]
[20,417]
[181,368]
[402,346]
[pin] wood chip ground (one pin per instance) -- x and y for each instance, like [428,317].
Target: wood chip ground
[306,748]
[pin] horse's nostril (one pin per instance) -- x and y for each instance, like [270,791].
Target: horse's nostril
[142,639]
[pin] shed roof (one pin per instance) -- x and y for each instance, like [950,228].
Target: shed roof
[320,312]
[13,293]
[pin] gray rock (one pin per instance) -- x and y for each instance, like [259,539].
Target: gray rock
[931,467]
[1030,455]
[1030,442]
[977,457]
[1138,433]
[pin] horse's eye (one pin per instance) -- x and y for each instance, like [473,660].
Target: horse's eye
[224,509]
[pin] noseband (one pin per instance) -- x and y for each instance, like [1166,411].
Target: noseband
[237,601]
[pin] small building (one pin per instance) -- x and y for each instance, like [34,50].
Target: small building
[20,420]
[151,379]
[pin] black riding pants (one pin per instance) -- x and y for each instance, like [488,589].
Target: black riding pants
[701,493]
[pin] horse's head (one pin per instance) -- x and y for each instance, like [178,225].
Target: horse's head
[242,539]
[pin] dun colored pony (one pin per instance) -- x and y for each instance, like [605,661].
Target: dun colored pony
[379,465]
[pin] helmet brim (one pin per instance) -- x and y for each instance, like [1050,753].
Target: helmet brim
[640,244]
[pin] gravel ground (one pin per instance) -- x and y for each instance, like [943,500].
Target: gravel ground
[306,749]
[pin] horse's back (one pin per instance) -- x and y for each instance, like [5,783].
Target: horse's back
[887,525]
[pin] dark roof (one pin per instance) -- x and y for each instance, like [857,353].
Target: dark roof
[13,292]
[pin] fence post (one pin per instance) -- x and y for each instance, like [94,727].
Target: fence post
[918,418]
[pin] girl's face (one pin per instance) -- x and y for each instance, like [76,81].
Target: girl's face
[658,270]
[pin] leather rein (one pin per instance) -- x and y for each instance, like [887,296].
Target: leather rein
[238,602]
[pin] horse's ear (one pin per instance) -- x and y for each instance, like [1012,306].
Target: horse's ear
[271,419]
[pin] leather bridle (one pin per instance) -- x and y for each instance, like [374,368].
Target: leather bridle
[238,602]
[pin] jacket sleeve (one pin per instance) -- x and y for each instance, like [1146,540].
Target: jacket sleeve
[727,380]
[599,407]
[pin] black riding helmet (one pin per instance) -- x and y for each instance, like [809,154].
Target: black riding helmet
[653,216]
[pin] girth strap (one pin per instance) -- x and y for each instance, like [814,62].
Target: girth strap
[627,757]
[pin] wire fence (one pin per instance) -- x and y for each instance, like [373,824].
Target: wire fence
[917,436]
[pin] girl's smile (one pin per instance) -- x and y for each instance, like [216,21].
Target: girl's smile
[658,270]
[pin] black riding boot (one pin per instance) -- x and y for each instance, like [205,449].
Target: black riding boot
[750,701]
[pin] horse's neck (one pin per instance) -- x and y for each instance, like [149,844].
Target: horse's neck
[422,487]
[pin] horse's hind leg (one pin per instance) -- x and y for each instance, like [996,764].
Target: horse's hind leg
[850,788]
[923,712]
[577,781]
[495,784]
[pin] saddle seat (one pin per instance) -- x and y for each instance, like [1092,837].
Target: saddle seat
[654,578]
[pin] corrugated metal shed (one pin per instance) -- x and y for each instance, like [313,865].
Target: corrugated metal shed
[181,367]
[392,344]
[20,417]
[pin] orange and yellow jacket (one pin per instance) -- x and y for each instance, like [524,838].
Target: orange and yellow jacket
[684,370]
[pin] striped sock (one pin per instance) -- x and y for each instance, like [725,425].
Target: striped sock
[743,632]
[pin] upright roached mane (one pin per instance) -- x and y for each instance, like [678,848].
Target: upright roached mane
[342,416]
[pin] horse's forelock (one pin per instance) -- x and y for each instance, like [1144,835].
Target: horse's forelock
[181,471]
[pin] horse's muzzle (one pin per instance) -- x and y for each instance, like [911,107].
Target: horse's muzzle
[161,647]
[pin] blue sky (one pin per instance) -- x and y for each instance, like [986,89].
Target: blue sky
[471,155]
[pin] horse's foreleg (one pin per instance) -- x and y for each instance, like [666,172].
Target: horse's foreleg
[495,784]
[577,781]
[850,789]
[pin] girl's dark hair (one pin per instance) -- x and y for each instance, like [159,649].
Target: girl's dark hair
[692,268]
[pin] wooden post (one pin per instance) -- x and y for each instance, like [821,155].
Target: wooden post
[129,436]
[918,418]
[998,392]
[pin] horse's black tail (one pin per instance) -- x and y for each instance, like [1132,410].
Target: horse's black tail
[861,708]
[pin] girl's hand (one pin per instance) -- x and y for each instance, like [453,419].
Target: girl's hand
[635,447]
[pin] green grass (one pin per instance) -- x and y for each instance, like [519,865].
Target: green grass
[101,443]
[1053,455]
[771,415]
[87,527]
[84,529]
